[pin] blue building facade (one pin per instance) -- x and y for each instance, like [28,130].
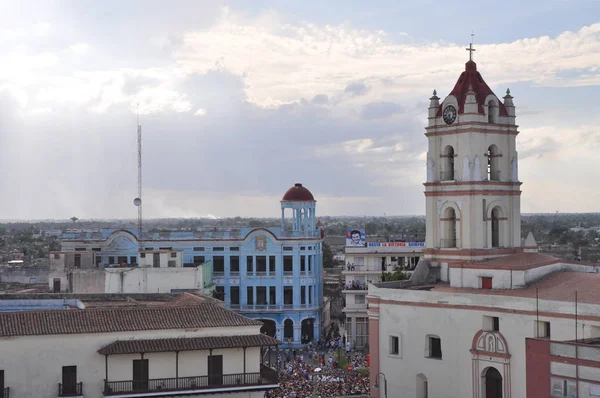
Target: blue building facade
[270,274]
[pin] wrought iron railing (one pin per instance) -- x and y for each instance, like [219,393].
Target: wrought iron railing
[266,376]
[5,393]
[70,390]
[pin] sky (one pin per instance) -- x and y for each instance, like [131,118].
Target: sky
[238,100]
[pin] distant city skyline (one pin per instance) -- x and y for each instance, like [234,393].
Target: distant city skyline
[239,100]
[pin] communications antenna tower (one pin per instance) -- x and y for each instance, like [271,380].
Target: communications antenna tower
[138,201]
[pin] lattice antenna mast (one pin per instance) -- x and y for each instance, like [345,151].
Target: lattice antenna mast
[138,201]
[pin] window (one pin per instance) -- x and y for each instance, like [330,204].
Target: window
[447,170]
[302,295]
[171,264]
[486,282]
[132,259]
[394,345]
[491,323]
[69,380]
[309,264]
[173,254]
[562,388]
[449,220]
[250,295]
[272,264]
[434,347]
[77,261]
[234,249]
[96,249]
[219,264]
[249,264]
[362,332]
[288,295]
[302,247]
[543,329]
[272,295]
[80,249]
[261,264]
[359,299]
[310,294]
[218,249]
[142,255]
[199,260]
[234,264]
[302,263]
[198,249]
[165,248]
[261,295]
[288,264]
[287,248]
[111,260]
[493,172]
[235,295]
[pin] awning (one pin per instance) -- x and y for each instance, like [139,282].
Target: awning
[187,344]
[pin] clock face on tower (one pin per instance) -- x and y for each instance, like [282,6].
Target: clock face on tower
[449,114]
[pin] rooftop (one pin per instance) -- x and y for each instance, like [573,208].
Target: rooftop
[187,344]
[518,261]
[558,286]
[471,78]
[105,320]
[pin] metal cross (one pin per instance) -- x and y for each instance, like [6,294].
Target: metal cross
[471,49]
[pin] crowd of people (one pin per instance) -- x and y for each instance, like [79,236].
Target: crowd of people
[326,368]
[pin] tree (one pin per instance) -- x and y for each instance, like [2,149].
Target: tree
[397,275]
[327,256]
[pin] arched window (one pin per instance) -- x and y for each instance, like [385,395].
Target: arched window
[288,329]
[493,172]
[447,172]
[496,231]
[449,237]
[491,112]
[422,387]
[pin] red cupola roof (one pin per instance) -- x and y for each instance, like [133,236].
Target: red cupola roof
[298,193]
[471,78]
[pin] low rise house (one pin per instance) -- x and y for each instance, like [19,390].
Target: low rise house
[184,347]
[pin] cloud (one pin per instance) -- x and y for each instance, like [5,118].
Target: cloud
[281,63]
[200,112]
[320,99]
[356,89]
[379,110]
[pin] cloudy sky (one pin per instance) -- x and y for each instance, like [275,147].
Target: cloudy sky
[240,99]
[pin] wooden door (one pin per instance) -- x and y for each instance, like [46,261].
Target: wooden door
[56,285]
[69,380]
[140,374]
[215,370]
[156,260]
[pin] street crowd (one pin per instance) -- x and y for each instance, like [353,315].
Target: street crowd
[316,370]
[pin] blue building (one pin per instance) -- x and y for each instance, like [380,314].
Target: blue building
[271,274]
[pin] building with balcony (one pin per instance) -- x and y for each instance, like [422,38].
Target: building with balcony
[272,274]
[366,265]
[184,347]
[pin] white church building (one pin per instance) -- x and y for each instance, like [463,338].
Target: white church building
[458,328]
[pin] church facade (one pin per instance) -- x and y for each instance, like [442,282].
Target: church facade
[271,274]
[459,327]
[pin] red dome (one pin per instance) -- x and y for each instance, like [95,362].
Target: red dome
[298,193]
[472,78]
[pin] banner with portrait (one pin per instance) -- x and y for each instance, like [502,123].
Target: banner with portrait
[355,237]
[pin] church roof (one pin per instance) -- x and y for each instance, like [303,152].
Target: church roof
[298,193]
[558,286]
[472,78]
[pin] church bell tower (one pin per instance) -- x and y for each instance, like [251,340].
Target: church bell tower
[472,190]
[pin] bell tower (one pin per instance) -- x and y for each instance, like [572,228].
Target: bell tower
[472,191]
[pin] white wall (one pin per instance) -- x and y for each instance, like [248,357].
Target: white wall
[452,375]
[33,364]
[152,280]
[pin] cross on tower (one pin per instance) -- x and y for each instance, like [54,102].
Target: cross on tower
[471,49]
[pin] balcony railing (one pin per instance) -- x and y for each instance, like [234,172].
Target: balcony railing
[70,390]
[5,393]
[447,243]
[271,307]
[236,380]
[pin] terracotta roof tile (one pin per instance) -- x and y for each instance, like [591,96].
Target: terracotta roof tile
[184,300]
[106,320]
[186,344]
